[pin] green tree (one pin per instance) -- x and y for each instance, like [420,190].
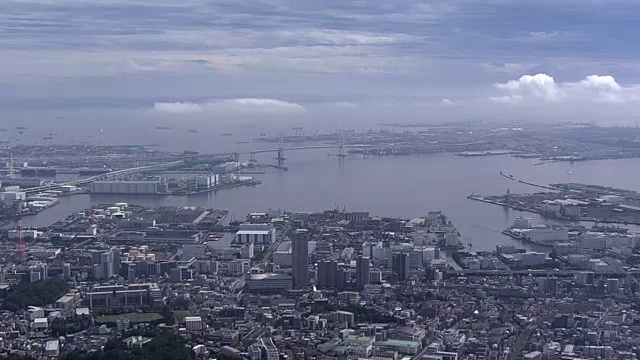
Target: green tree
[39,293]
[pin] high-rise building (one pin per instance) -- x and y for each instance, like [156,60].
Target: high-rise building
[66,271]
[613,286]
[106,262]
[116,260]
[300,259]
[327,274]
[103,264]
[375,277]
[548,285]
[341,279]
[131,274]
[400,265]
[363,269]
[176,275]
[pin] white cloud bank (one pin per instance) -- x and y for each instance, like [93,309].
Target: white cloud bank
[543,88]
[232,106]
[448,102]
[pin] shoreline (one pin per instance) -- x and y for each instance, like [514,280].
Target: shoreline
[535,211]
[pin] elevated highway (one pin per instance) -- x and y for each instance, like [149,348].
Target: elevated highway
[106,176]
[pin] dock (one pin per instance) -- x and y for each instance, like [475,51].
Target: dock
[514,207]
[217,187]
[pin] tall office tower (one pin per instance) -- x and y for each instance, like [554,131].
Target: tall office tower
[66,271]
[106,262]
[342,277]
[300,259]
[117,261]
[327,274]
[400,265]
[363,269]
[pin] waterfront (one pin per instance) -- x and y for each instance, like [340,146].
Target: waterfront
[406,186]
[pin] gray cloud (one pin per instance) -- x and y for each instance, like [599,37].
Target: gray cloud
[335,51]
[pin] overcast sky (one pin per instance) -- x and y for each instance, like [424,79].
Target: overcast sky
[340,58]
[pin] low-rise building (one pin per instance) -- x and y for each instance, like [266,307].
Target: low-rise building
[193,323]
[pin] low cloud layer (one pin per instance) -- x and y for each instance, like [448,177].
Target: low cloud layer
[231,106]
[543,88]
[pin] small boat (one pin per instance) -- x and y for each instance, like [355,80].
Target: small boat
[163,128]
[243,142]
[47,138]
[226,134]
[193,131]
[21,127]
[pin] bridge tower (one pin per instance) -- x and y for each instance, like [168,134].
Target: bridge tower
[280,156]
[341,153]
[236,157]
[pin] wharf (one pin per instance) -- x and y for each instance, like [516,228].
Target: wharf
[218,187]
[535,273]
[30,212]
[484,153]
[537,185]
[489,201]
